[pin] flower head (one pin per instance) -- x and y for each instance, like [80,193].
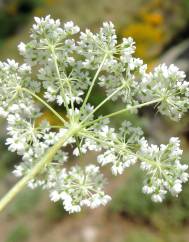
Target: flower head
[169,85]
[68,68]
[79,187]
[164,171]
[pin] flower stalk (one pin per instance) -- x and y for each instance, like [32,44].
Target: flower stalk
[36,169]
[45,104]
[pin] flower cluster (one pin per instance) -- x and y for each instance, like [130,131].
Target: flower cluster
[164,172]
[48,38]
[169,85]
[81,187]
[14,77]
[62,66]
[122,71]
[120,147]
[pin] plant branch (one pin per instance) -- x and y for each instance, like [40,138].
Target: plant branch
[45,104]
[93,82]
[59,77]
[36,169]
[104,101]
[125,110]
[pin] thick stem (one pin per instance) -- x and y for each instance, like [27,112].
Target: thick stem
[36,169]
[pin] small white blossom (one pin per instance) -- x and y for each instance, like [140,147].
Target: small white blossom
[177,188]
[147,189]
[157,198]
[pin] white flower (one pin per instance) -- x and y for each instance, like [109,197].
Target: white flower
[22,48]
[117,169]
[79,187]
[70,28]
[168,84]
[18,171]
[164,172]
[54,196]
[184,177]
[147,190]
[118,147]
[177,188]
[14,77]
[157,198]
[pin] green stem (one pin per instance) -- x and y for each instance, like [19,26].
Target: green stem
[92,84]
[125,110]
[71,95]
[104,101]
[102,140]
[36,169]
[59,77]
[45,104]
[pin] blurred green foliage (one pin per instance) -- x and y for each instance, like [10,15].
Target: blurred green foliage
[132,203]
[156,24]
[25,202]
[129,199]
[55,212]
[7,160]
[186,3]
[142,235]
[15,13]
[19,234]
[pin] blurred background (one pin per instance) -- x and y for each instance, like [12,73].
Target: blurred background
[161,31]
